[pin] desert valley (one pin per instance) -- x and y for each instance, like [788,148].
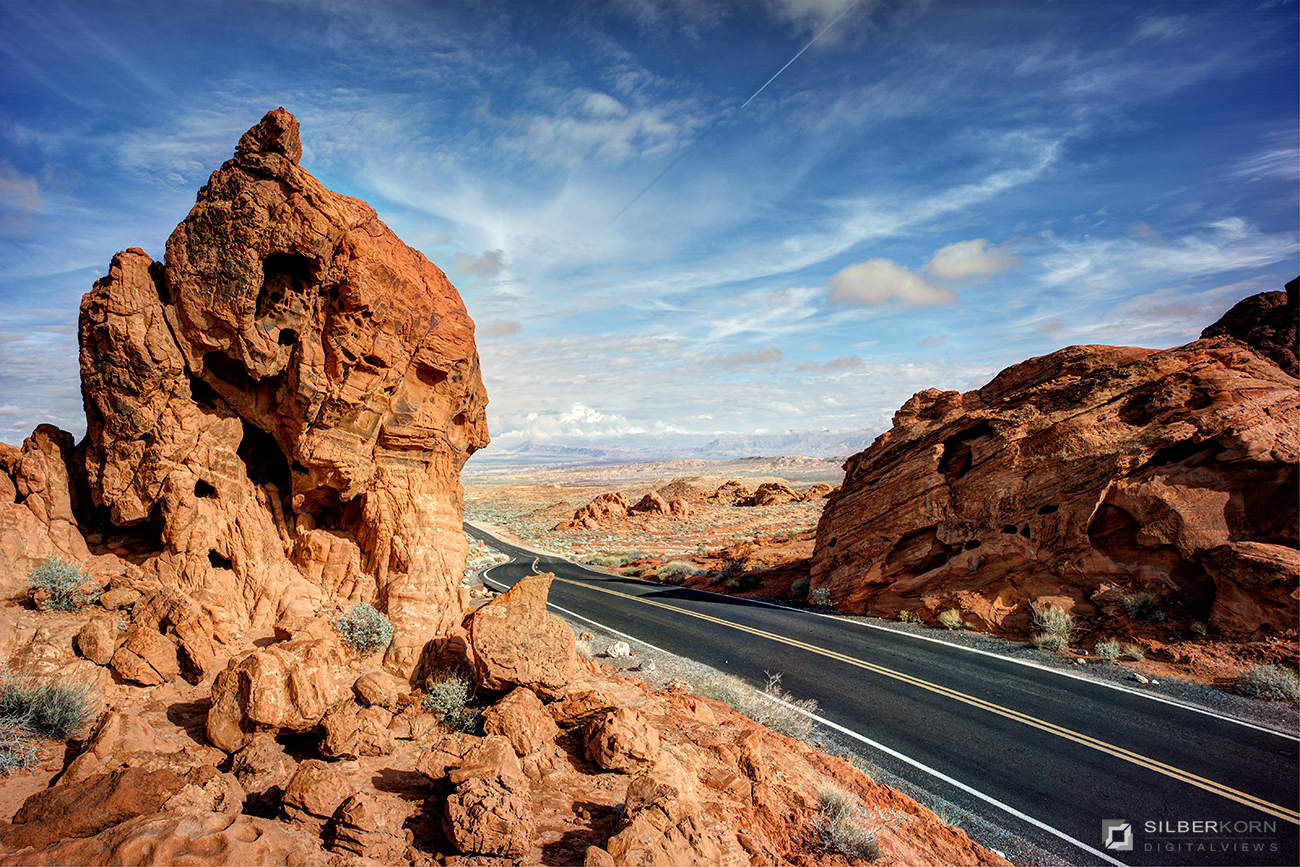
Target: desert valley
[243,623]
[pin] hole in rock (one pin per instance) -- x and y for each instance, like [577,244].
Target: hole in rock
[957,457]
[917,552]
[1196,454]
[204,396]
[971,545]
[430,375]
[832,542]
[1009,529]
[1048,509]
[374,361]
[459,419]
[203,489]
[288,337]
[220,562]
[160,282]
[1024,531]
[263,459]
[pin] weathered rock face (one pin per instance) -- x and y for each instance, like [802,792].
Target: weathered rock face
[36,517]
[294,387]
[602,510]
[517,642]
[1093,465]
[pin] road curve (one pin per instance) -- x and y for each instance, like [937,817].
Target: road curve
[1049,756]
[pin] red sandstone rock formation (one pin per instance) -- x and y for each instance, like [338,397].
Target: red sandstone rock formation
[771,494]
[602,510]
[1080,475]
[285,404]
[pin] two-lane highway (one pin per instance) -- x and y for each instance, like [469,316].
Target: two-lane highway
[1051,755]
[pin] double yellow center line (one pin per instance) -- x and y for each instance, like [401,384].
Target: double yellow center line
[1272,809]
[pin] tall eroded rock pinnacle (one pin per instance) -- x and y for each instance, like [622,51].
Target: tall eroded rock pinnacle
[284,405]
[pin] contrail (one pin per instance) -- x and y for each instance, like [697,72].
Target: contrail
[802,50]
[680,156]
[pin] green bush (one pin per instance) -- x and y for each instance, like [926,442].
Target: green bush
[1198,627]
[16,750]
[821,597]
[1271,682]
[908,617]
[1140,606]
[799,589]
[952,619]
[606,561]
[68,585]
[364,628]
[743,582]
[1055,627]
[1108,649]
[447,696]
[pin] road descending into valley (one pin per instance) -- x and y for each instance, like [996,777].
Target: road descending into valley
[1047,756]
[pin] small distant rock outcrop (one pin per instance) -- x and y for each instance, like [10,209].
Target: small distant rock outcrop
[609,508]
[1085,475]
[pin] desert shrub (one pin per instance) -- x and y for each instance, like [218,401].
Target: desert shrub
[676,572]
[364,628]
[1198,627]
[584,648]
[1107,649]
[909,617]
[820,597]
[772,706]
[605,560]
[447,695]
[848,828]
[16,750]
[636,554]
[44,707]
[1140,606]
[1271,682]
[1134,652]
[743,582]
[68,585]
[952,619]
[1055,627]
[799,589]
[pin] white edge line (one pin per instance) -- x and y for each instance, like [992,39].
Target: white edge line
[1025,662]
[882,748]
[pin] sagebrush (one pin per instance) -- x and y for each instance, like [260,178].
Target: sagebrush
[675,572]
[448,696]
[1271,682]
[1140,606]
[799,589]
[1108,649]
[847,827]
[952,619]
[68,585]
[364,628]
[31,707]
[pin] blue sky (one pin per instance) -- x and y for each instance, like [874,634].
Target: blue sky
[652,253]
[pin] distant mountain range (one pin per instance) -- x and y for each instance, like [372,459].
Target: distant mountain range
[535,455]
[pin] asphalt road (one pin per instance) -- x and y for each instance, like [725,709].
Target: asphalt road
[1048,757]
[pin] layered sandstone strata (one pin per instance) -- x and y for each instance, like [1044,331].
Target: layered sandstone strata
[1083,476]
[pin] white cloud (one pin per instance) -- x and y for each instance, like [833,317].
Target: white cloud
[966,260]
[20,197]
[876,282]
[498,328]
[491,264]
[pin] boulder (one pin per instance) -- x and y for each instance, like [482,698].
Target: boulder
[283,688]
[729,493]
[376,689]
[36,499]
[662,824]
[521,719]
[1094,465]
[297,434]
[97,640]
[263,770]
[209,790]
[184,837]
[314,794]
[352,731]
[371,824]
[114,740]
[175,614]
[85,808]
[490,810]
[147,657]
[517,642]
[623,740]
